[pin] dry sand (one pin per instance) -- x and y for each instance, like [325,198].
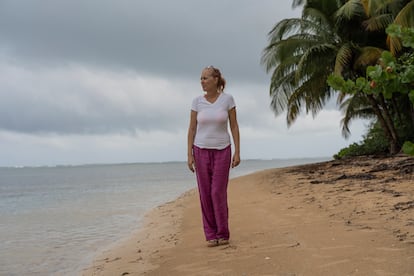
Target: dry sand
[350,217]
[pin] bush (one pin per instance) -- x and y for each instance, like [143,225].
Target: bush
[374,143]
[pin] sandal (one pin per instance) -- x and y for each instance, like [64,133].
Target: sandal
[222,241]
[212,243]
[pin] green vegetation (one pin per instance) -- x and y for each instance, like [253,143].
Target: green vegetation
[391,83]
[359,51]
[374,143]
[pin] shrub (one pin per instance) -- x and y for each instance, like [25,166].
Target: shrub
[373,143]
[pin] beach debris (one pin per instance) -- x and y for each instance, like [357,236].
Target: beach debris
[295,244]
[388,180]
[392,192]
[401,236]
[364,176]
[405,166]
[380,167]
[402,206]
[344,176]
[379,175]
[112,260]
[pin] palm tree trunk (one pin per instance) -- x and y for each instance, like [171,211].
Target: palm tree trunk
[394,148]
[383,123]
[397,110]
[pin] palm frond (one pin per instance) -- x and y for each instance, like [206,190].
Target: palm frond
[317,16]
[366,5]
[376,7]
[280,91]
[321,55]
[350,10]
[328,7]
[311,96]
[367,56]
[276,53]
[343,58]
[284,28]
[294,45]
[395,6]
[405,17]
[355,107]
[297,3]
[378,23]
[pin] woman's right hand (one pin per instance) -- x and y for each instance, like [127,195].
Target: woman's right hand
[190,163]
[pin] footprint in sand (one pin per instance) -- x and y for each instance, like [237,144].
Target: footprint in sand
[337,247]
[389,249]
[334,263]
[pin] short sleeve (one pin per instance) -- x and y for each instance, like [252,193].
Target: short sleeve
[231,102]
[194,104]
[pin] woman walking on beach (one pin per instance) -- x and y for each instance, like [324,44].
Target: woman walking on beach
[209,152]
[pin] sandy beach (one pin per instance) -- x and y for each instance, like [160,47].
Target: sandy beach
[349,217]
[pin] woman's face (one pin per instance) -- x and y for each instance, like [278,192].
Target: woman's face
[208,82]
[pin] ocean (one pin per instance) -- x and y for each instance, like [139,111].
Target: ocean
[55,220]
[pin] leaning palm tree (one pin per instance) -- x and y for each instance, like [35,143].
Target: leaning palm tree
[332,36]
[302,53]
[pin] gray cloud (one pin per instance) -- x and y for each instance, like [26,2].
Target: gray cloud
[160,37]
[77,100]
[47,46]
[112,81]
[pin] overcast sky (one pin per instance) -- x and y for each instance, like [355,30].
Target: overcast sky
[103,81]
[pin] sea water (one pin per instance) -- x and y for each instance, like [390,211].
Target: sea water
[54,220]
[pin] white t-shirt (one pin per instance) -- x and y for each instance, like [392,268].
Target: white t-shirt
[212,118]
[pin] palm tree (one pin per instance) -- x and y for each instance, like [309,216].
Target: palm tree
[303,52]
[379,14]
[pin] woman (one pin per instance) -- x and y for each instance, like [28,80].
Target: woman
[209,152]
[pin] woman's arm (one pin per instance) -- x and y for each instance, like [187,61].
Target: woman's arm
[234,127]
[190,140]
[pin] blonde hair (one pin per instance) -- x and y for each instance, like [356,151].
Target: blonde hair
[215,72]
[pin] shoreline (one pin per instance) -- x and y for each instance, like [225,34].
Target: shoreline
[157,231]
[349,217]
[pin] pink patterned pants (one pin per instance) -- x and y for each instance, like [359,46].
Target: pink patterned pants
[212,170]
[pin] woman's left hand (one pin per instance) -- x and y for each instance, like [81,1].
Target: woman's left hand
[236,160]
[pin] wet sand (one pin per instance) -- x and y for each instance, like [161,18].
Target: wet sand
[349,217]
